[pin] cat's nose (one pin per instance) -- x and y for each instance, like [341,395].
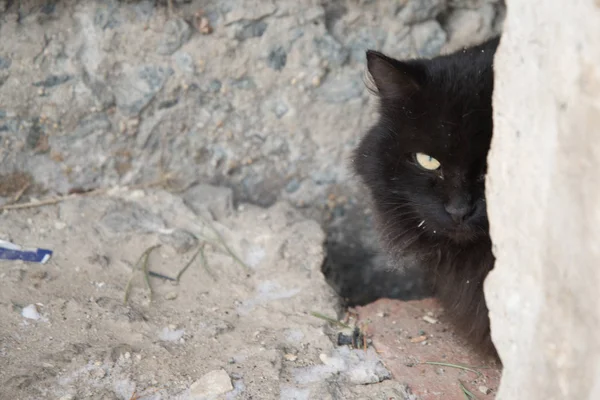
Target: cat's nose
[459,211]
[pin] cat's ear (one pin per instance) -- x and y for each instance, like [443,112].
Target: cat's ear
[393,78]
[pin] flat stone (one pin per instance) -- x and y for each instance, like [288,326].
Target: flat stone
[214,383]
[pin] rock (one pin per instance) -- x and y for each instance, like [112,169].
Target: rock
[341,88]
[429,38]
[484,389]
[543,291]
[328,48]
[277,58]
[357,366]
[368,374]
[138,87]
[216,200]
[415,11]
[175,34]
[31,312]
[213,383]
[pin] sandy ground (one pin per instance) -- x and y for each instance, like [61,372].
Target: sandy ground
[264,100]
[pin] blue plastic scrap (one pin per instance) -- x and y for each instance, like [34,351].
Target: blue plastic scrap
[11,251]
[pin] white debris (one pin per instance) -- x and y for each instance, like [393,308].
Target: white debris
[171,335]
[484,389]
[31,312]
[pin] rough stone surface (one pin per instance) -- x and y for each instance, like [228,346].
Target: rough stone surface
[543,195]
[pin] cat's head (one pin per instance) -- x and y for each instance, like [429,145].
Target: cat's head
[425,160]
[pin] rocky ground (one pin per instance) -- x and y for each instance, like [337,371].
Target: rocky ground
[264,98]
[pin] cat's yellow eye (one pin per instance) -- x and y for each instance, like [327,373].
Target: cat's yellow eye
[427,162]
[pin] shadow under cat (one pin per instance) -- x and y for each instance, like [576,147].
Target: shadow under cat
[360,273]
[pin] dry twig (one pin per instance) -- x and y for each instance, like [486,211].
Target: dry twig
[60,199]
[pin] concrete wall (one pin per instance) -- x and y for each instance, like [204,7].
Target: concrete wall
[544,201]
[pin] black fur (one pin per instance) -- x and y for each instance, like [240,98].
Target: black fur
[443,108]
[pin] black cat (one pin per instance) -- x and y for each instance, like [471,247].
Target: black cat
[424,163]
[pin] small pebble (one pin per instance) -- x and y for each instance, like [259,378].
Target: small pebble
[290,357]
[171,296]
[484,389]
[31,312]
[213,383]
[418,339]
[67,397]
[429,319]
